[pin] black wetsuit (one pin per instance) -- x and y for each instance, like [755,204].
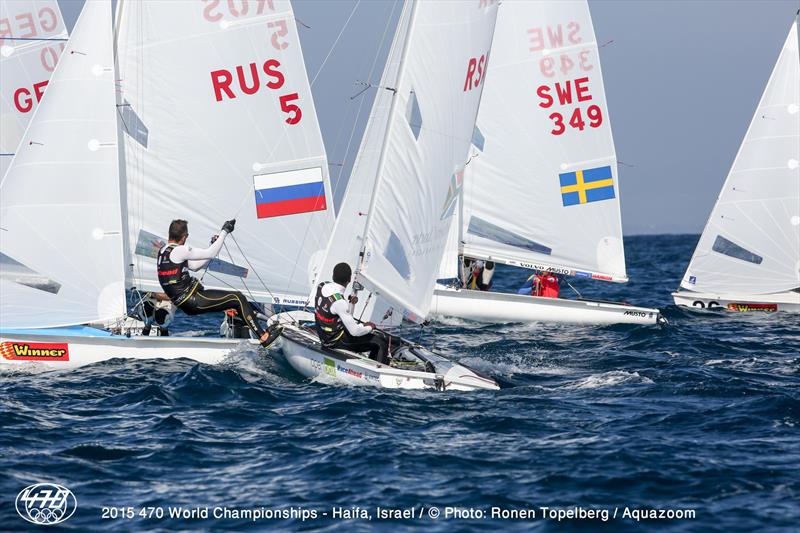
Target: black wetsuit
[193,299]
[333,333]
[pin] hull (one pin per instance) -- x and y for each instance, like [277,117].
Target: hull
[743,303]
[79,346]
[494,307]
[307,356]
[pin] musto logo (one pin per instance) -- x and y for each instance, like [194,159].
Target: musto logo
[46,504]
[34,351]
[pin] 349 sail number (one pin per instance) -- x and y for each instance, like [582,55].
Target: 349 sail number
[569,93]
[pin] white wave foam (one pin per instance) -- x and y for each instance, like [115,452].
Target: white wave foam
[520,366]
[611,379]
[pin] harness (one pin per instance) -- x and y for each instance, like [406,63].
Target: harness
[174,277]
[329,326]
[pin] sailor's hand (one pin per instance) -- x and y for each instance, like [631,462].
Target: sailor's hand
[353,299]
[214,238]
[371,325]
[229,225]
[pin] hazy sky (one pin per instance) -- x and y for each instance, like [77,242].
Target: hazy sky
[682,79]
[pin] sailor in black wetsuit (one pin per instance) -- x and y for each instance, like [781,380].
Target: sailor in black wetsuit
[337,328]
[177,258]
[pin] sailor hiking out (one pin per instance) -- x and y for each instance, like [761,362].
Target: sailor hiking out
[337,328]
[177,258]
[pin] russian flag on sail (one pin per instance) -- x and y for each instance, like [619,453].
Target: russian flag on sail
[289,193]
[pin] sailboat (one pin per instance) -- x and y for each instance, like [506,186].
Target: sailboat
[541,190]
[28,57]
[748,257]
[194,111]
[393,223]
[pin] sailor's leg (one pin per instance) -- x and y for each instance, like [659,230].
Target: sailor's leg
[210,300]
[379,351]
[486,276]
[374,343]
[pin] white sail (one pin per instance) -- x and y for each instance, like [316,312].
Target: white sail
[32,36]
[347,237]
[542,188]
[425,147]
[751,243]
[219,122]
[61,229]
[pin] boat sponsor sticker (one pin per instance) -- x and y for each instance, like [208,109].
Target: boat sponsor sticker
[744,308]
[640,314]
[349,372]
[330,367]
[34,351]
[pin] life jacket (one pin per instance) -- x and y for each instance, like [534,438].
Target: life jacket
[548,285]
[330,327]
[174,277]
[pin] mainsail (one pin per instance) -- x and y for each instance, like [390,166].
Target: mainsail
[32,36]
[60,223]
[751,243]
[541,189]
[219,122]
[415,145]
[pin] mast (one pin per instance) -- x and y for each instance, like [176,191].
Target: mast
[123,180]
[389,122]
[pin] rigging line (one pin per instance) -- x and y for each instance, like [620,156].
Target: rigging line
[361,316]
[258,276]
[361,105]
[333,47]
[573,288]
[230,256]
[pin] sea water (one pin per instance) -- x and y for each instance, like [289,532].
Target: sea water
[691,427]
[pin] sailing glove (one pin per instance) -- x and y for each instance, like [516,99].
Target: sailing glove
[228,226]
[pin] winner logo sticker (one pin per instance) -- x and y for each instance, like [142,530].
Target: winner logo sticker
[34,351]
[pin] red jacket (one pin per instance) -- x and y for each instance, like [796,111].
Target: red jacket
[546,285]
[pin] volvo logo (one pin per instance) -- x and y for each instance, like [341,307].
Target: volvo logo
[46,503]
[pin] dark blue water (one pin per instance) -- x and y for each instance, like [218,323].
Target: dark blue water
[701,416]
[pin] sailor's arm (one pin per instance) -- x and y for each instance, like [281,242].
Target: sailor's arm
[198,257]
[355,329]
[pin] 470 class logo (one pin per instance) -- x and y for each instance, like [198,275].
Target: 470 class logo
[34,351]
[46,504]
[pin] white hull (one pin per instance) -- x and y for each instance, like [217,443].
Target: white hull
[305,354]
[493,307]
[71,351]
[769,303]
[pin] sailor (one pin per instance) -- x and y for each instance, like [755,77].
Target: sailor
[177,258]
[337,328]
[477,274]
[543,284]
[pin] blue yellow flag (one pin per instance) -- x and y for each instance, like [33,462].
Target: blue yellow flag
[584,186]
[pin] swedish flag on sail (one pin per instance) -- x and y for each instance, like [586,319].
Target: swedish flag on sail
[584,186]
